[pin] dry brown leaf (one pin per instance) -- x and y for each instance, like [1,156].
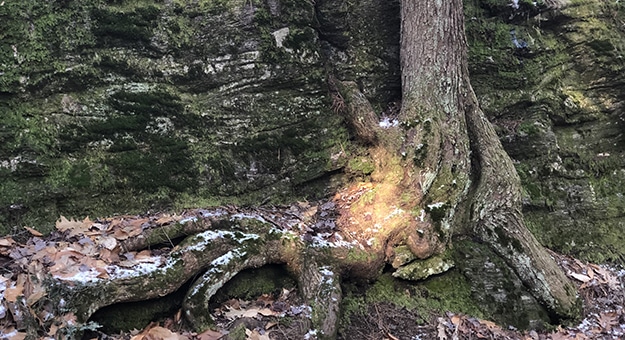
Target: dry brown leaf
[265,300]
[210,335]
[165,220]
[121,234]
[107,242]
[392,337]
[53,329]
[109,256]
[33,232]
[145,256]
[63,224]
[590,272]
[37,293]
[6,242]
[580,277]
[157,333]
[16,335]
[242,313]
[455,319]
[489,324]
[608,320]
[255,335]
[11,294]
[266,312]
[47,251]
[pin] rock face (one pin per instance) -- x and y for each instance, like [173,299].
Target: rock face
[132,106]
[550,76]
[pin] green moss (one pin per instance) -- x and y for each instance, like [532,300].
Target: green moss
[421,269]
[238,333]
[528,128]
[421,152]
[252,283]
[439,294]
[128,27]
[137,315]
[361,166]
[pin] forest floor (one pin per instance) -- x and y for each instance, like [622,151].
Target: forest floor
[285,317]
[282,315]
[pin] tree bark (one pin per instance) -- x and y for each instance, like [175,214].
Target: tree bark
[436,86]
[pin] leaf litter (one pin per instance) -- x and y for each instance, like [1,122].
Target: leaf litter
[86,250]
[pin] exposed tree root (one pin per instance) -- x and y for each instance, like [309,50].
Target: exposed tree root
[222,245]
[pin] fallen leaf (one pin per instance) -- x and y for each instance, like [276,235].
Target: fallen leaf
[157,333]
[107,242]
[455,319]
[255,335]
[266,312]
[33,231]
[580,277]
[6,242]
[14,335]
[53,329]
[164,220]
[391,337]
[241,313]
[210,335]
[608,320]
[11,294]
[489,324]
[36,295]
[441,330]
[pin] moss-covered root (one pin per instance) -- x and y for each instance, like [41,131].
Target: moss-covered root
[359,112]
[196,302]
[321,286]
[496,215]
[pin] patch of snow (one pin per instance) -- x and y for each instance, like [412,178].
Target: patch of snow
[312,334]
[216,265]
[327,275]
[325,271]
[280,35]
[319,242]
[394,213]
[212,213]
[386,122]
[211,235]
[436,205]
[242,216]
[188,219]
[227,257]
[515,4]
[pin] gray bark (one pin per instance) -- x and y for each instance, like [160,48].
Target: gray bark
[435,82]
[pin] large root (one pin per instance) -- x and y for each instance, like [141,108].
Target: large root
[221,244]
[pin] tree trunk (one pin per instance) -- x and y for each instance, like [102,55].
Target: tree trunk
[460,140]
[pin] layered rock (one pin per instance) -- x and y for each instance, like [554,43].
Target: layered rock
[556,96]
